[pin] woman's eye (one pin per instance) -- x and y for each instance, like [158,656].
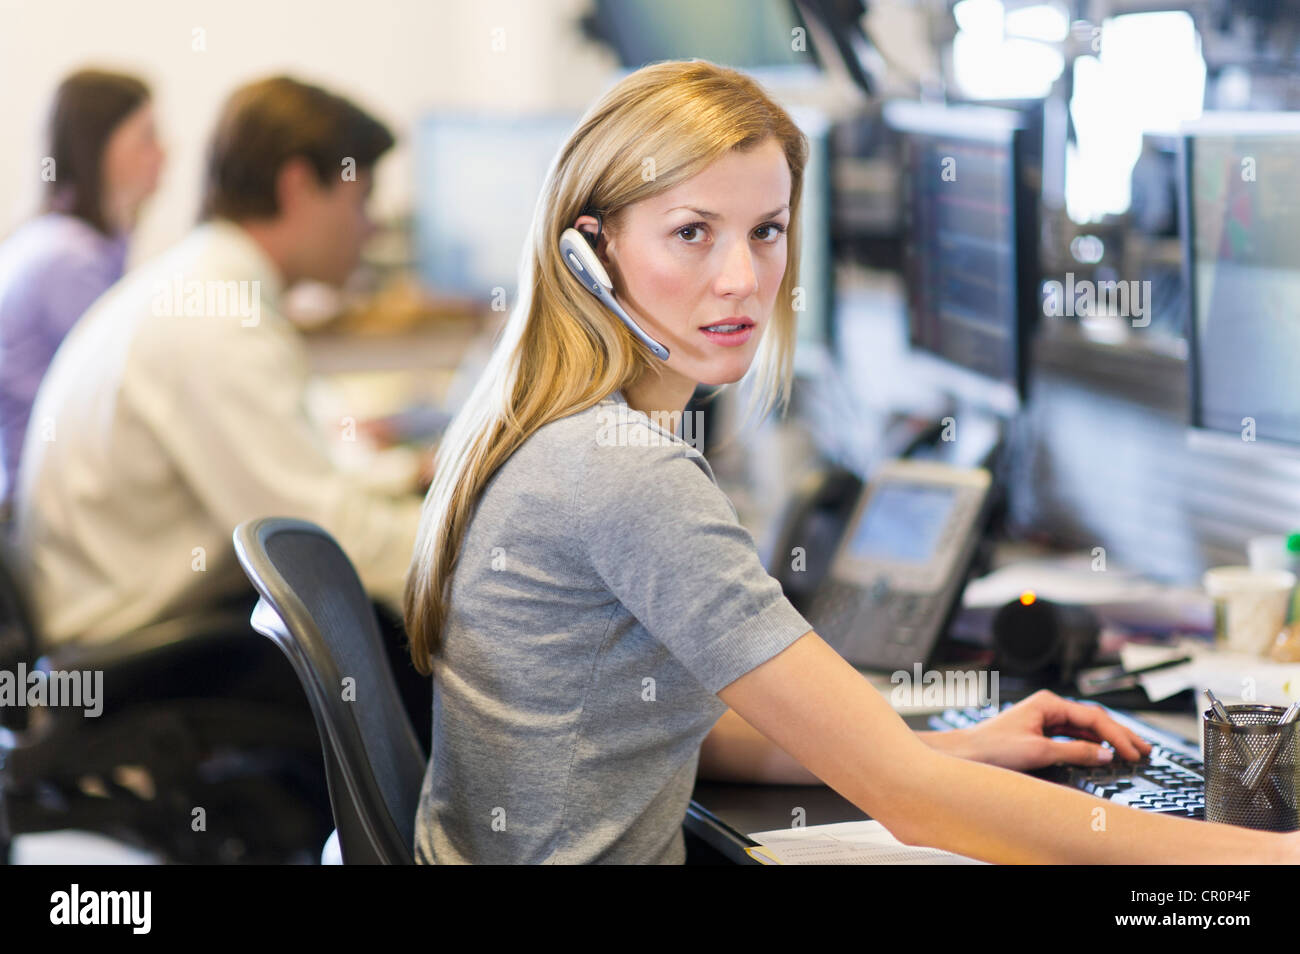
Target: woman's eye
[768,233]
[691,234]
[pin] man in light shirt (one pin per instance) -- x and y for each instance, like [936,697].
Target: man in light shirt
[175,409]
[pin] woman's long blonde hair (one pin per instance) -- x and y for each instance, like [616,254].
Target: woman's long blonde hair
[560,351]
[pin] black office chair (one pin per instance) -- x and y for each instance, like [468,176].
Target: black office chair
[192,711]
[314,607]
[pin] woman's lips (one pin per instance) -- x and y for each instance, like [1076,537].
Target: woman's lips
[741,329]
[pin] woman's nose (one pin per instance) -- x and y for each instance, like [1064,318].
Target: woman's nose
[737,277]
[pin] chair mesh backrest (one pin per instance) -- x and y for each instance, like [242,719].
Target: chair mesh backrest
[323,579]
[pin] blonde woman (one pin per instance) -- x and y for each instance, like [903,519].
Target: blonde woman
[598,624]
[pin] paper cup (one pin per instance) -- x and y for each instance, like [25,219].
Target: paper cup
[1249,605]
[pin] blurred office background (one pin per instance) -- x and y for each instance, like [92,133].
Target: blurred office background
[397,58]
[482,93]
[1090,146]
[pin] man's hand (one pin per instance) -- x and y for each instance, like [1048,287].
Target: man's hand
[1020,738]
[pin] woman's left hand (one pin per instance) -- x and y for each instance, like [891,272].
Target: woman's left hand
[1020,738]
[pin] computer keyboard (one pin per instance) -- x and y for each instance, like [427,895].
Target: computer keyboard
[1169,781]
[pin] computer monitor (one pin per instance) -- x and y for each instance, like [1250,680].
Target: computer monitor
[970,262]
[744,34]
[1033,122]
[1240,216]
[478,179]
[816,264]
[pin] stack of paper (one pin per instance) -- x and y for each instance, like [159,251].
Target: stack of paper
[847,843]
[1229,675]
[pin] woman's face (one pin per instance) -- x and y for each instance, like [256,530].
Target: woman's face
[133,159]
[699,266]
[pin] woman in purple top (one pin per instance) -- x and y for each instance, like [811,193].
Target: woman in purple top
[102,161]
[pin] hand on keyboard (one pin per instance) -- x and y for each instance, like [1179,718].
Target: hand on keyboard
[1021,736]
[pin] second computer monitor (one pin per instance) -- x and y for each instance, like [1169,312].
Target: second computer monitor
[970,263]
[478,179]
[1241,246]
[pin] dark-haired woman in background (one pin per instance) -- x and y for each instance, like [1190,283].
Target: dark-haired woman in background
[102,162]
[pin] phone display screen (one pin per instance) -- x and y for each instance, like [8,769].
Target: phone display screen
[903,523]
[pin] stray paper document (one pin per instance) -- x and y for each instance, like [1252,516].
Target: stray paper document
[846,843]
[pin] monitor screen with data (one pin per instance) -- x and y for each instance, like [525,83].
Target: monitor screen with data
[969,259]
[1242,248]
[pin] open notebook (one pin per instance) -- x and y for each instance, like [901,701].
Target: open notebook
[847,843]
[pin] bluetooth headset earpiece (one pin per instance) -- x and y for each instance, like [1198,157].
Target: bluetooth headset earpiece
[579,253]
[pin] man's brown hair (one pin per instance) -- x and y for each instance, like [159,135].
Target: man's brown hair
[265,124]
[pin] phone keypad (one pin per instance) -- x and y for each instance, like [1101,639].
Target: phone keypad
[887,624]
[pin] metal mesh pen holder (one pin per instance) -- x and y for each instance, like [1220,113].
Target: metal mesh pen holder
[1250,769]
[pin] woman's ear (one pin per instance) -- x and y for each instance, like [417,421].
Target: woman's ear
[598,237]
[591,229]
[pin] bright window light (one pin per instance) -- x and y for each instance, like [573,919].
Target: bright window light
[989,64]
[1149,78]
[1049,22]
[982,18]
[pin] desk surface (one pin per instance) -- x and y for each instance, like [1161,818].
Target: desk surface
[722,814]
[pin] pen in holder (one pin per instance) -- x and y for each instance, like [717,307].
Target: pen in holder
[1250,767]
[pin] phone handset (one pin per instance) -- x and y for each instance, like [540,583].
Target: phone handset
[581,259]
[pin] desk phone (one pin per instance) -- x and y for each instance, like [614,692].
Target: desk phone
[901,563]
